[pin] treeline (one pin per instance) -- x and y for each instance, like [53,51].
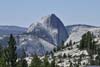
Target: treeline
[88,43]
[62,46]
[8,55]
[9,58]
[37,62]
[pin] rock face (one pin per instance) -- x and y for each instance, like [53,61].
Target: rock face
[32,44]
[76,31]
[29,43]
[41,36]
[49,28]
[44,35]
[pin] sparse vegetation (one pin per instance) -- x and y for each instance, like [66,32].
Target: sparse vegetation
[8,55]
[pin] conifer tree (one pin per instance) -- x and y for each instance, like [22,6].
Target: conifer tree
[2,58]
[1,50]
[87,42]
[64,55]
[11,52]
[22,62]
[36,62]
[2,62]
[46,62]
[70,43]
[53,64]
[71,64]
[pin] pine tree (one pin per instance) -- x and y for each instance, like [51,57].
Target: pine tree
[11,52]
[22,62]
[71,64]
[98,56]
[2,62]
[2,59]
[64,55]
[1,50]
[6,56]
[53,64]
[62,47]
[46,62]
[55,50]
[87,42]
[70,43]
[36,62]
[83,42]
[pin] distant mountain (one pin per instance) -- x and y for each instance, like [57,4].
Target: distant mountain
[76,31]
[6,30]
[41,37]
[75,27]
[44,35]
[49,28]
